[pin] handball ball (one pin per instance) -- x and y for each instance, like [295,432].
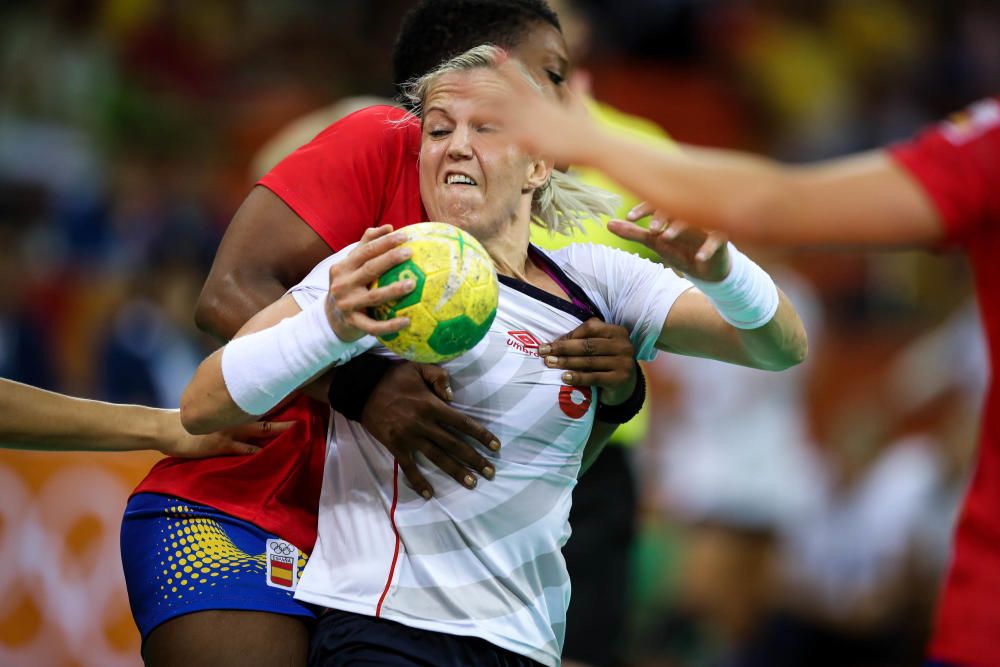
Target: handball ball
[455,298]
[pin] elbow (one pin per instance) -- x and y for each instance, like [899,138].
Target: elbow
[208,312]
[792,353]
[195,419]
[796,354]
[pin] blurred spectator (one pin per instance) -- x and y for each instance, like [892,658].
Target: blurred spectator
[732,460]
[151,348]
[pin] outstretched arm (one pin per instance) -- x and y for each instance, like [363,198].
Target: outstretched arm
[35,419]
[737,315]
[267,249]
[864,199]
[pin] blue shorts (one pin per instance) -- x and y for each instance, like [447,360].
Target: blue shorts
[181,558]
[343,639]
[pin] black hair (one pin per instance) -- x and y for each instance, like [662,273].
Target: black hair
[437,30]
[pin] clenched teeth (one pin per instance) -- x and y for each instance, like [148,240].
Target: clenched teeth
[459,178]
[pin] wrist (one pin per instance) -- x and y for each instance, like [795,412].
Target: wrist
[627,409]
[597,147]
[746,297]
[621,393]
[262,368]
[159,429]
[352,385]
[338,324]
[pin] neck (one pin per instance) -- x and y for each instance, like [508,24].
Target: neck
[509,247]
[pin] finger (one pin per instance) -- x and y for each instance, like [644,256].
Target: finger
[587,379]
[713,242]
[362,322]
[238,448]
[376,265]
[365,252]
[674,229]
[414,477]
[596,328]
[640,210]
[463,423]
[448,465]
[443,440]
[629,231]
[373,233]
[380,295]
[588,363]
[437,379]
[261,429]
[589,347]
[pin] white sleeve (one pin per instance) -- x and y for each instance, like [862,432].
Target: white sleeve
[315,286]
[317,283]
[631,291]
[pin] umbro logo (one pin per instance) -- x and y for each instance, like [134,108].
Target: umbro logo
[523,341]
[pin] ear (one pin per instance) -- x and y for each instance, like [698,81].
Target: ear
[539,172]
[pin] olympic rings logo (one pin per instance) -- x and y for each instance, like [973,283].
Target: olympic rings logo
[60,553]
[282,548]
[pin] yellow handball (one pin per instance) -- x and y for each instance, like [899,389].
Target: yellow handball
[455,298]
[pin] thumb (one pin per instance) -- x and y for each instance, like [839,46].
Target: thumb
[438,379]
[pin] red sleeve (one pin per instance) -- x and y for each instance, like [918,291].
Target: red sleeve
[957,163]
[340,182]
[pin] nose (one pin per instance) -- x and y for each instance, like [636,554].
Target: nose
[460,148]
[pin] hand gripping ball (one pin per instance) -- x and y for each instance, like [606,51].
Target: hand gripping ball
[455,298]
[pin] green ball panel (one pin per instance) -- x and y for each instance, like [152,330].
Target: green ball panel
[403,271]
[481,301]
[411,342]
[457,335]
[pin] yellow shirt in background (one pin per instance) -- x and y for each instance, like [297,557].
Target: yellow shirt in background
[595,231]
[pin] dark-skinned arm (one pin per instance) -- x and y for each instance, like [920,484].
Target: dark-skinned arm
[266,250]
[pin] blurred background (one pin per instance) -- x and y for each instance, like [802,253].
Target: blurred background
[807,514]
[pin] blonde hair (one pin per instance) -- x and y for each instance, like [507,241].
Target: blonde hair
[564,203]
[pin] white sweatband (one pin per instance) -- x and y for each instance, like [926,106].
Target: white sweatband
[261,368]
[747,298]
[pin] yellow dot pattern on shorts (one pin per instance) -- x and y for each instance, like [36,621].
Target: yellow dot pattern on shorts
[197,553]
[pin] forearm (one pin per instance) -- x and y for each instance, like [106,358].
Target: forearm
[42,420]
[207,404]
[858,200]
[257,370]
[267,249]
[708,188]
[779,344]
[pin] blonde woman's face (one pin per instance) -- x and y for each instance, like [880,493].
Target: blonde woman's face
[470,175]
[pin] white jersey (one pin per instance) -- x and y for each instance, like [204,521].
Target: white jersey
[488,562]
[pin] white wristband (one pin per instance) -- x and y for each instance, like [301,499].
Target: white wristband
[261,368]
[747,298]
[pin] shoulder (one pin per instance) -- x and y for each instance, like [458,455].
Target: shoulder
[319,277]
[579,255]
[388,125]
[957,164]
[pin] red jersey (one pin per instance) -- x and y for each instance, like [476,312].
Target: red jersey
[957,163]
[358,173]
